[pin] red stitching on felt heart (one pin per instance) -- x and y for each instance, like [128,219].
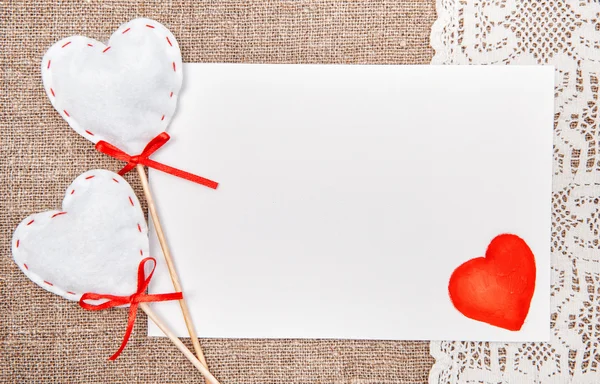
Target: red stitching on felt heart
[106,49]
[18,242]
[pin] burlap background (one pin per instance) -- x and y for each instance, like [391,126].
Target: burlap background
[47,339]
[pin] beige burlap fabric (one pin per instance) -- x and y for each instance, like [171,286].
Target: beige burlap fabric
[45,338]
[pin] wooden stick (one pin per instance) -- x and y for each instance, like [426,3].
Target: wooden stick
[190,356]
[171,266]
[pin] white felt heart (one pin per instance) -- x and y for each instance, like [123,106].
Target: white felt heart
[125,92]
[94,244]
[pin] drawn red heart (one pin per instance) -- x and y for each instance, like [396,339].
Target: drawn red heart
[497,288]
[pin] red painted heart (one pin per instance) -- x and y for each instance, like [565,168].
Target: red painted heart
[497,288]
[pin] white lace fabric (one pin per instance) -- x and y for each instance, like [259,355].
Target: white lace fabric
[565,34]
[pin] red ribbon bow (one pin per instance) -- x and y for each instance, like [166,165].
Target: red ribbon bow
[142,158]
[133,300]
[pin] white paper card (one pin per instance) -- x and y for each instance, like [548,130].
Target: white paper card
[349,194]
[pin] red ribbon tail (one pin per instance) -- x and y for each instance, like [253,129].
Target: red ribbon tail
[130,323]
[126,169]
[179,173]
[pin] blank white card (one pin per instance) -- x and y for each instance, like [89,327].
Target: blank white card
[349,194]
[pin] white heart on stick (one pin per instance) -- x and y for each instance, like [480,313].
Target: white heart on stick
[93,244]
[124,92]
[95,247]
[120,96]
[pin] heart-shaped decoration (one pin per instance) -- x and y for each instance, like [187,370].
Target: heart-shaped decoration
[496,289]
[125,92]
[94,244]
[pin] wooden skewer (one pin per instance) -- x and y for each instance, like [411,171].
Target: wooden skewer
[171,266]
[190,356]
